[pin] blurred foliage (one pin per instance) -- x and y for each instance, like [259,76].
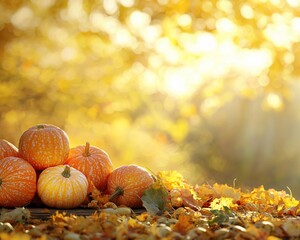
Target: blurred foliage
[206,87]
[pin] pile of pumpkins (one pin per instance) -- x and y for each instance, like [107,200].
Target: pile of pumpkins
[43,165]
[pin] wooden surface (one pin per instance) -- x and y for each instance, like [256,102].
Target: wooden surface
[45,213]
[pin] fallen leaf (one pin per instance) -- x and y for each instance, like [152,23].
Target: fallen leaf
[155,199]
[18,215]
[184,224]
[220,203]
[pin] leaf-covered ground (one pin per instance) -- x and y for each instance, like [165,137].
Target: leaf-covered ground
[173,209]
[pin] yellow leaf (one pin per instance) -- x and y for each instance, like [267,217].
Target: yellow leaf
[226,191]
[184,224]
[290,202]
[14,236]
[273,238]
[171,179]
[220,203]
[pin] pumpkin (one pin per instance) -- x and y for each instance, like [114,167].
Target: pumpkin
[126,185]
[44,146]
[62,186]
[17,182]
[7,149]
[93,162]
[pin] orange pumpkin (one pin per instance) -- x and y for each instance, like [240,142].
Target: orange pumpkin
[7,149]
[17,182]
[44,146]
[93,162]
[62,187]
[126,185]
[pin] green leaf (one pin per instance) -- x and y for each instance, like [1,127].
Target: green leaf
[154,199]
[221,216]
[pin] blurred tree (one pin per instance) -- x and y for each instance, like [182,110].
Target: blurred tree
[208,87]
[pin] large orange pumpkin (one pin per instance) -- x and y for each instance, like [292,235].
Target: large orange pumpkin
[7,149]
[93,162]
[17,182]
[62,186]
[44,146]
[126,185]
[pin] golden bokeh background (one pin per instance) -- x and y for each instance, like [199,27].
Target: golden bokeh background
[209,88]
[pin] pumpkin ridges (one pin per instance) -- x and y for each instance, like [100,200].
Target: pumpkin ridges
[80,150]
[22,147]
[59,191]
[7,149]
[14,166]
[10,175]
[18,182]
[77,186]
[133,180]
[6,193]
[63,189]
[44,147]
[96,166]
[64,140]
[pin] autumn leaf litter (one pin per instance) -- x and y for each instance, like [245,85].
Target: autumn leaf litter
[173,209]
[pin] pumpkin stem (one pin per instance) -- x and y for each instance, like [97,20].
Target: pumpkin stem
[66,173]
[0,182]
[87,149]
[118,192]
[40,126]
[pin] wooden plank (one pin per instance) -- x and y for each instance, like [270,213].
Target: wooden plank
[46,213]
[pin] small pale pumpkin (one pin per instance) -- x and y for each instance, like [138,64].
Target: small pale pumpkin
[62,186]
[7,149]
[44,146]
[126,185]
[93,162]
[17,182]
